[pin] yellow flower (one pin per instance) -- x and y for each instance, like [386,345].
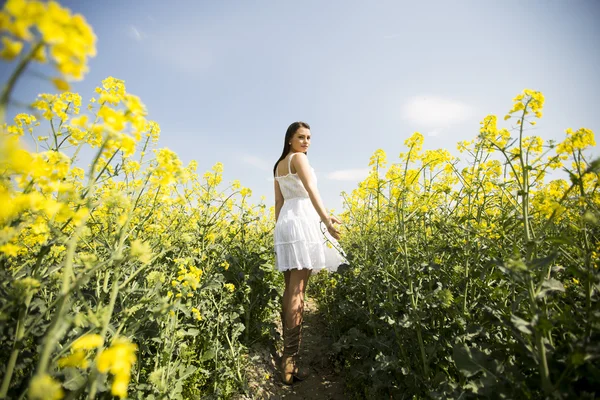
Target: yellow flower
[119,386]
[61,84]
[118,360]
[379,158]
[196,314]
[142,251]
[218,168]
[415,142]
[88,342]
[153,130]
[576,140]
[44,387]
[69,39]
[27,285]
[78,359]
[229,286]
[576,281]
[11,49]
[168,167]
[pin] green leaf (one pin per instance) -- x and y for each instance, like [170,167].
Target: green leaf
[550,285]
[464,360]
[207,355]
[521,324]
[73,379]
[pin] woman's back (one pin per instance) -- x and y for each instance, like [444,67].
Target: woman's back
[290,183]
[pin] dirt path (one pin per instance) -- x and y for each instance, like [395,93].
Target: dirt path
[323,383]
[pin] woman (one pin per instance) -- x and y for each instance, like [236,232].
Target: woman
[301,246]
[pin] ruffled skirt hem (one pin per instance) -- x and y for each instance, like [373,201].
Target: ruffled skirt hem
[300,242]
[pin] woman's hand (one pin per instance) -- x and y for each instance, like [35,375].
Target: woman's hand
[331,229]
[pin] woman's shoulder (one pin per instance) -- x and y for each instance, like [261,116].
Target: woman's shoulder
[301,157]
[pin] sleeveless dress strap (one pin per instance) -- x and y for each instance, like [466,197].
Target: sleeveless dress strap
[290,163]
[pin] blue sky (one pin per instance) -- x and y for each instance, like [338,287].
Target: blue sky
[224,79]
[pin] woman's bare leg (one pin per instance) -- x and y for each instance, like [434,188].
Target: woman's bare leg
[284,300]
[293,309]
[293,298]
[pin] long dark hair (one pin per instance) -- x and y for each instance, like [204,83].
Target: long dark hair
[286,143]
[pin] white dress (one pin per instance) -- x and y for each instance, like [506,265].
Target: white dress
[301,240]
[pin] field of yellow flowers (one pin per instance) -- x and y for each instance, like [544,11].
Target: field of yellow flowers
[129,276]
[473,277]
[135,276]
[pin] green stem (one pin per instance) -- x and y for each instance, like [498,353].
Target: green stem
[539,343]
[51,338]
[111,306]
[8,88]
[16,347]
[422,347]
[525,184]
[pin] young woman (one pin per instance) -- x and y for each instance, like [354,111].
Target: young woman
[305,238]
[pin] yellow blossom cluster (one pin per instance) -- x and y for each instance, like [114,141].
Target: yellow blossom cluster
[378,159]
[196,314]
[51,31]
[40,189]
[44,387]
[118,360]
[25,287]
[433,158]
[491,136]
[230,287]
[80,351]
[188,277]
[578,140]
[168,167]
[22,122]
[429,183]
[527,101]
[533,144]
[58,105]
[415,142]
[246,192]
[213,178]
[141,250]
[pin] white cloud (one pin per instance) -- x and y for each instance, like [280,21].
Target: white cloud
[355,175]
[256,162]
[135,33]
[435,112]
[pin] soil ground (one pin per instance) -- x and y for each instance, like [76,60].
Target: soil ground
[324,382]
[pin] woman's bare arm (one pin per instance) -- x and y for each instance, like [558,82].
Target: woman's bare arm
[278,200]
[300,162]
